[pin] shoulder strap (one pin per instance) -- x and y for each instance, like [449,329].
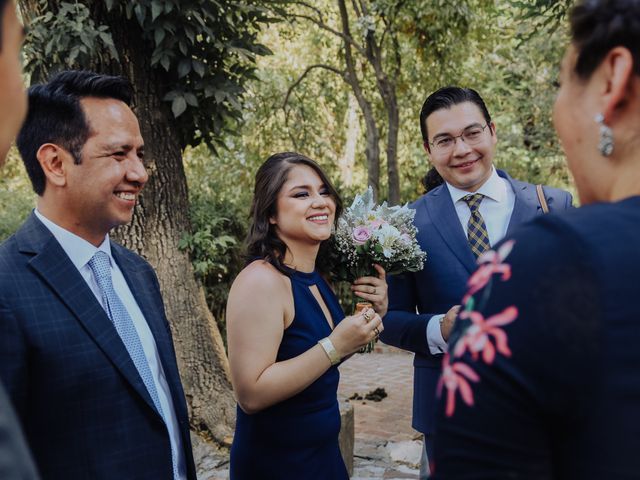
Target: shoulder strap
[541,199]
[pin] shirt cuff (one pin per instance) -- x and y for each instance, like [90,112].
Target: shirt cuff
[434,336]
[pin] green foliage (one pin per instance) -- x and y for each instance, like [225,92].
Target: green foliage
[203,52]
[66,38]
[16,196]
[219,214]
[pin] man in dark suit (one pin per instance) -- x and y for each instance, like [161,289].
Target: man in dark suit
[457,221]
[15,460]
[85,348]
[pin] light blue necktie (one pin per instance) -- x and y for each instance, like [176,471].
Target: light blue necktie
[121,319]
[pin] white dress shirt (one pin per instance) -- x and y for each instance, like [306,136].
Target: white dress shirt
[496,209]
[80,252]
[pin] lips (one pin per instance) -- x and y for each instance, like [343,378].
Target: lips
[465,164]
[127,196]
[319,218]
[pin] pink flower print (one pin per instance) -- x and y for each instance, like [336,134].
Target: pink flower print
[361,235]
[490,262]
[454,377]
[476,338]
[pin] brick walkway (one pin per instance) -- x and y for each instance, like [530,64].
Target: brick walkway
[386,447]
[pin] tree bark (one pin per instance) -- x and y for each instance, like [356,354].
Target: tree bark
[160,220]
[372,148]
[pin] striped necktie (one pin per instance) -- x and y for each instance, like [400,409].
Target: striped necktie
[476,229]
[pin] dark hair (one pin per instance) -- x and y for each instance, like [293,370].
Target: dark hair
[262,240]
[56,116]
[597,26]
[431,180]
[447,97]
[3,5]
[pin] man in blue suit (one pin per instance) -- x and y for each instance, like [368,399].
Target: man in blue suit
[86,351]
[15,460]
[475,207]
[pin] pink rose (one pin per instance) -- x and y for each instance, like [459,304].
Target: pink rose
[377,223]
[361,235]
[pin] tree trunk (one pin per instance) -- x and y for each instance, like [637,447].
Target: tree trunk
[372,148]
[392,150]
[160,220]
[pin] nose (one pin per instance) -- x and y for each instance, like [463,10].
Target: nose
[320,201]
[460,148]
[136,172]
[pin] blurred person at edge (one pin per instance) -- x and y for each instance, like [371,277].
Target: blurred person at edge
[15,460]
[542,377]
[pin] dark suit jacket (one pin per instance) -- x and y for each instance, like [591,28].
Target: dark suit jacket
[442,282]
[85,410]
[15,460]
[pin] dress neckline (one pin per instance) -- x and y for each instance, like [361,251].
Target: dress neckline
[307,278]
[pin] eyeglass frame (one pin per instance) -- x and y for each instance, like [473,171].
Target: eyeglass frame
[461,136]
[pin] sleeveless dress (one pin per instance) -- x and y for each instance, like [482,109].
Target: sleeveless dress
[296,439]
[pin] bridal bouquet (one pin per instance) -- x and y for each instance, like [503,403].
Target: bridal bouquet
[368,233]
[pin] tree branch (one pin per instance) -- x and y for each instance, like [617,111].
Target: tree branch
[347,38]
[305,73]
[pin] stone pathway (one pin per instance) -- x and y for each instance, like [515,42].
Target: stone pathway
[386,447]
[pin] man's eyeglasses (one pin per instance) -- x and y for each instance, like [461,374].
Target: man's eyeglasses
[471,136]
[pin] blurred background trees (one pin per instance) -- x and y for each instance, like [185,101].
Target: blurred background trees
[221,85]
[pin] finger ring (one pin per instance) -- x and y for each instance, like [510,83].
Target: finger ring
[376,331]
[367,316]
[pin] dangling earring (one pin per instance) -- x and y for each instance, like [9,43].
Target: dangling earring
[605,145]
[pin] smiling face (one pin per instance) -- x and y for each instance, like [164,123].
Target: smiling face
[305,210]
[101,192]
[466,167]
[13,99]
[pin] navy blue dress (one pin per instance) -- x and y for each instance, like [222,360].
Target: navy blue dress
[298,438]
[542,380]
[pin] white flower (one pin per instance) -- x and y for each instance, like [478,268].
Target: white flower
[387,236]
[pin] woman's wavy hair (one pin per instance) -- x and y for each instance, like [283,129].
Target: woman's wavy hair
[262,240]
[597,26]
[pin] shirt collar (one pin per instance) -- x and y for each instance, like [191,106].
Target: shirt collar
[77,248]
[494,188]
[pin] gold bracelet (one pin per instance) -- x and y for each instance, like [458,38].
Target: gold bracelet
[330,350]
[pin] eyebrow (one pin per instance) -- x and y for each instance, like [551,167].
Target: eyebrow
[115,146]
[303,187]
[440,135]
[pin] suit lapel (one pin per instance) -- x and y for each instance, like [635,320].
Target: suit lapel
[144,293]
[526,206]
[445,219]
[56,269]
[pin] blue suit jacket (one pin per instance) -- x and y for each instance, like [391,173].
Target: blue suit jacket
[442,282]
[85,410]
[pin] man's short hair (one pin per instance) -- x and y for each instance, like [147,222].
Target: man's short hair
[56,116]
[447,97]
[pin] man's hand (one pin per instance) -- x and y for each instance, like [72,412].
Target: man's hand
[447,322]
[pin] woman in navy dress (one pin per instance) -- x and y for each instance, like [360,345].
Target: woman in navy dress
[542,379]
[287,332]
